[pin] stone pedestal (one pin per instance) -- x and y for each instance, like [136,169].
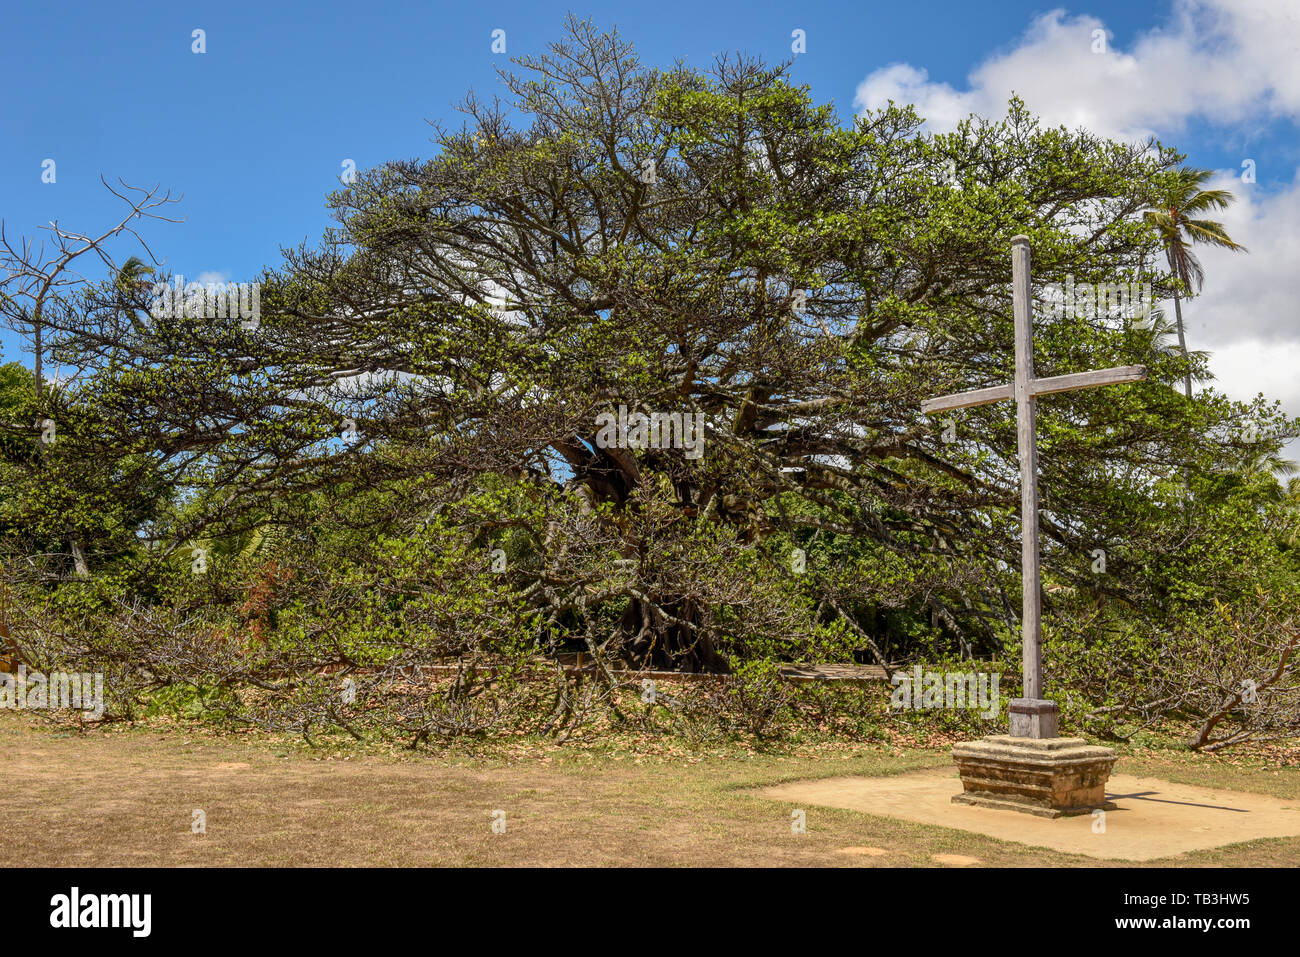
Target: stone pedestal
[1048,777]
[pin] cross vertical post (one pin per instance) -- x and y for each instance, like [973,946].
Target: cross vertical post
[1026,415]
[1031,769]
[1031,716]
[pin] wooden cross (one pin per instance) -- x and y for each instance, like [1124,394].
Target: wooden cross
[1031,716]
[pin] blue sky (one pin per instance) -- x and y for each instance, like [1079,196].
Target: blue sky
[254,131]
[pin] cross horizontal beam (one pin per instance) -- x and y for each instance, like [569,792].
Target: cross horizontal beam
[1086,380]
[966,400]
[1037,387]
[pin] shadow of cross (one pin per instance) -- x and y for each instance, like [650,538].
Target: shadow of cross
[1025,390]
[1146,796]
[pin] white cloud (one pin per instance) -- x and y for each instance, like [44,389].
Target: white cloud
[214,276]
[1248,316]
[1226,61]
[1221,60]
[1247,368]
[1254,295]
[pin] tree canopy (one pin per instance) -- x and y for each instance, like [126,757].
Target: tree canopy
[411,430]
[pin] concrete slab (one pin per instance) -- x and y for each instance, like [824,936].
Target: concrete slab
[1152,818]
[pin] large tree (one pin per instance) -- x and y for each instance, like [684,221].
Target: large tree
[703,242]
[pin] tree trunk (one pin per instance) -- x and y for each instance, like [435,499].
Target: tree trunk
[38,372]
[1182,342]
[667,636]
[79,560]
[8,650]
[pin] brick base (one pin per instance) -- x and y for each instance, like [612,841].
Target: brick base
[1048,777]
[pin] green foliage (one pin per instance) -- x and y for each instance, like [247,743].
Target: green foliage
[705,243]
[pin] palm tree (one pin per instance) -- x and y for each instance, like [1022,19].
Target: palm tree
[132,277]
[1157,329]
[1174,216]
[132,273]
[1292,533]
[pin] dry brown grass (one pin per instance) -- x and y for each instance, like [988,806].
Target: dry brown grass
[125,798]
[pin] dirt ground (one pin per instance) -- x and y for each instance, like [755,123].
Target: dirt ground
[1149,819]
[129,799]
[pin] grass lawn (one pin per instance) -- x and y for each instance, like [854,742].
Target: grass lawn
[127,796]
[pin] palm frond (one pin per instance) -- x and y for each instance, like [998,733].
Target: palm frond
[1193,273]
[1211,233]
[1207,199]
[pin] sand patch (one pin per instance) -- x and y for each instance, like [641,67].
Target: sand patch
[1154,818]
